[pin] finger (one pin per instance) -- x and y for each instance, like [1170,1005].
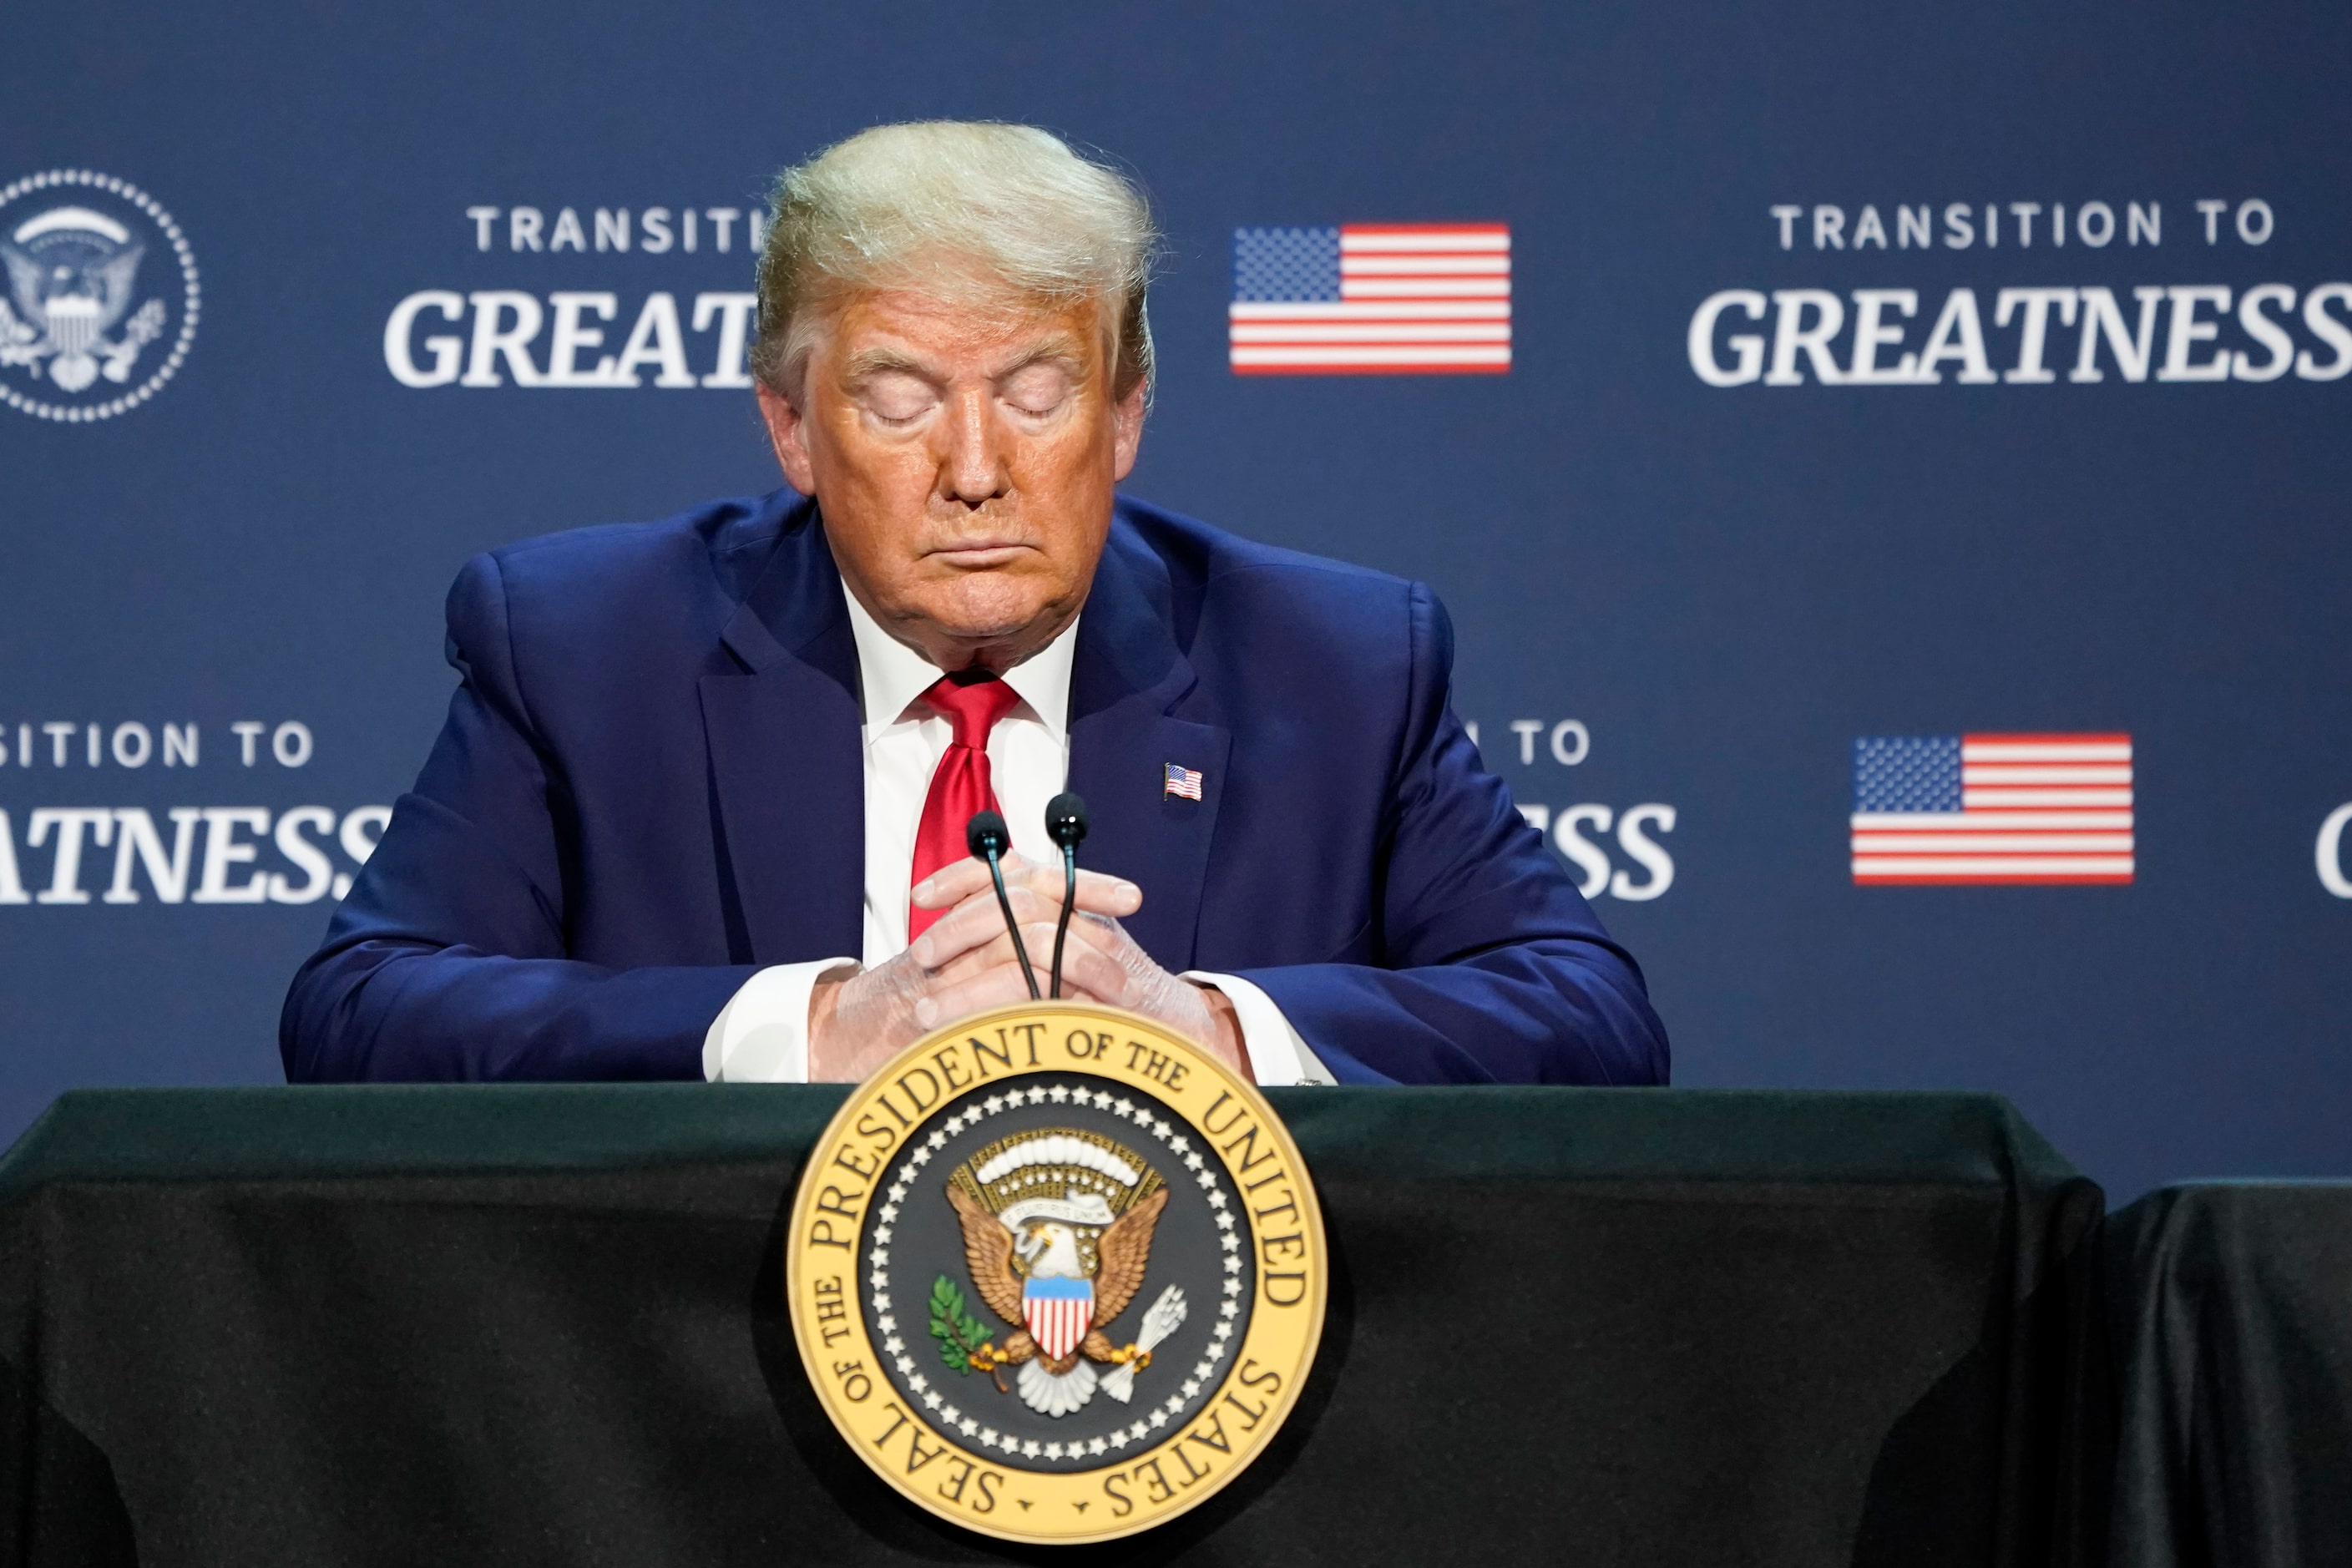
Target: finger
[1038,939]
[992,988]
[975,922]
[1097,962]
[1103,933]
[1110,937]
[1102,958]
[951,885]
[1074,991]
[1097,892]
[1102,895]
[1097,973]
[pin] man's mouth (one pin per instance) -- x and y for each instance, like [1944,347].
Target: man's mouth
[979,555]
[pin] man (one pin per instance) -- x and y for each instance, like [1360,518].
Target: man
[704,779]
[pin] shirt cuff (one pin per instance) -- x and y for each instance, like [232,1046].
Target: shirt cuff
[1277,1054]
[762,1034]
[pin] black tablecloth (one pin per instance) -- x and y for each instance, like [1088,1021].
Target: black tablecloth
[542,1325]
[2233,1306]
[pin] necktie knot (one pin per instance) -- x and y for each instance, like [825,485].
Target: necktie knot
[973,709]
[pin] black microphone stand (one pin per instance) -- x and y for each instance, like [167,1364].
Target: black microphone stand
[1066,824]
[986,837]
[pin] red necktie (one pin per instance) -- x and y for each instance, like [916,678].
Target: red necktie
[960,785]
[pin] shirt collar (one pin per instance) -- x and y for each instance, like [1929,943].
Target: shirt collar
[891,676]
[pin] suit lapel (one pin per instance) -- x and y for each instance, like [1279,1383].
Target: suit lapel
[787,765]
[1128,674]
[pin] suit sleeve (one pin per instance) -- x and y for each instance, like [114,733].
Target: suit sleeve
[447,961]
[1493,969]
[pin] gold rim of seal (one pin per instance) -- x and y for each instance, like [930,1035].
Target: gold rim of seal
[1163,1476]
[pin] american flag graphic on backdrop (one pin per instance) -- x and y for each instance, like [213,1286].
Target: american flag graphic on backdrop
[1992,808]
[1372,299]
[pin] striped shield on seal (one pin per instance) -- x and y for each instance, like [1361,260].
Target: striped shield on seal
[1058,1311]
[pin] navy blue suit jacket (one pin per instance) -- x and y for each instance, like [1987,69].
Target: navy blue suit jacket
[651,784]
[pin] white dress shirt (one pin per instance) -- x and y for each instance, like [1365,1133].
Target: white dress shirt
[762,1034]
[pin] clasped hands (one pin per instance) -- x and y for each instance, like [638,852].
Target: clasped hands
[964,964]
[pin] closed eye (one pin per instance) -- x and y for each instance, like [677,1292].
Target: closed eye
[895,399]
[1037,390]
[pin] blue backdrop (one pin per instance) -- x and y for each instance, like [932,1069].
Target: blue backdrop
[234,497]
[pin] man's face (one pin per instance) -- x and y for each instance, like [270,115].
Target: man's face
[964,462]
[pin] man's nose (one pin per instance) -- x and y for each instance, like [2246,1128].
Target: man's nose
[972,469]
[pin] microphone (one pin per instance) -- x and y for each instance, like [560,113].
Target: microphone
[1066,824]
[988,838]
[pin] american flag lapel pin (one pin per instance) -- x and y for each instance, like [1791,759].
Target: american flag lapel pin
[1183,784]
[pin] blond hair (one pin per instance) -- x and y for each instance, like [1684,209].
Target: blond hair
[974,212]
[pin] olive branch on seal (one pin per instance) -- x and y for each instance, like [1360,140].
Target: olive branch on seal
[961,1336]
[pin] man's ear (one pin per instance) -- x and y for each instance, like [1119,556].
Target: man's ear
[1126,429]
[788,433]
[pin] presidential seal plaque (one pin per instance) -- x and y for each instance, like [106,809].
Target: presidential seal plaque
[1057,1273]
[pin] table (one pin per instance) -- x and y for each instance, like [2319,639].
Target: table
[2232,1331]
[542,1325]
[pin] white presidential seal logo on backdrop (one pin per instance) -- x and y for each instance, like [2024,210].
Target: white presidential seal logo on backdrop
[92,323]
